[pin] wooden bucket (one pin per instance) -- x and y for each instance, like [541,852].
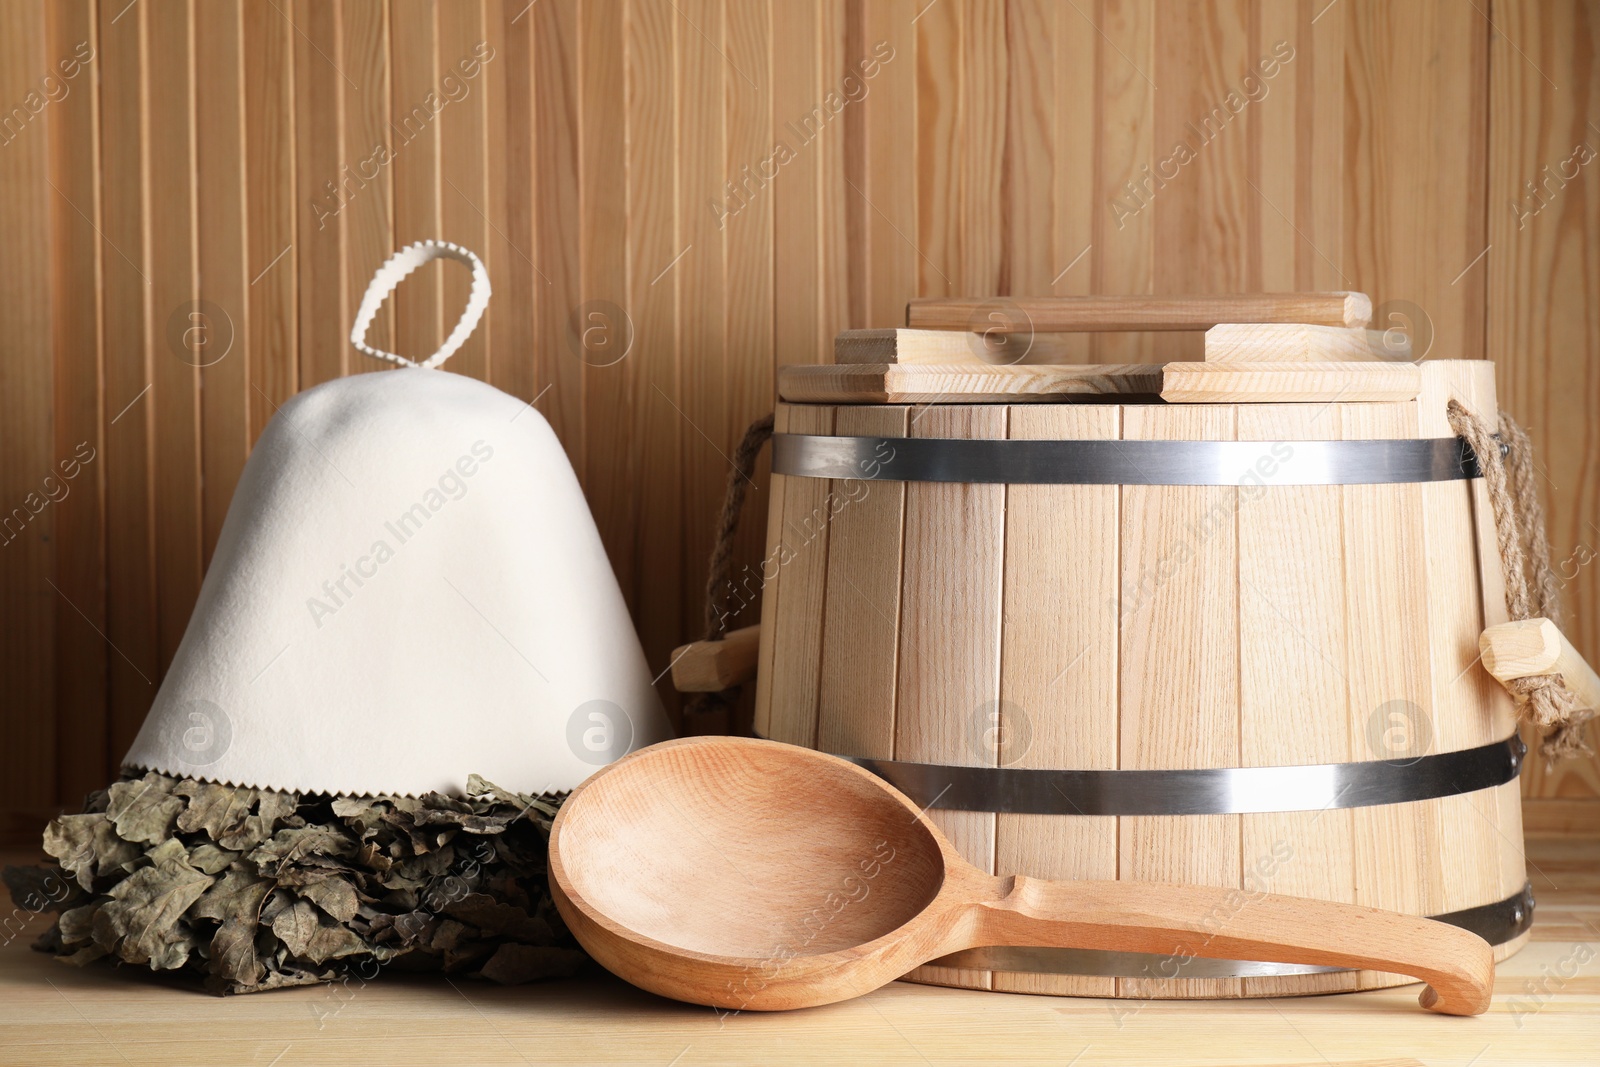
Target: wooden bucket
[1250,683]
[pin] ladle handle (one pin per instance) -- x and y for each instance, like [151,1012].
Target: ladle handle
[1217,923]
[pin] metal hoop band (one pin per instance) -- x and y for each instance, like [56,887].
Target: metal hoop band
[1214,791]
[1496,923]
[922,459]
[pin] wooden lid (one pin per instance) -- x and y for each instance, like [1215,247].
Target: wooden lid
[1261,348]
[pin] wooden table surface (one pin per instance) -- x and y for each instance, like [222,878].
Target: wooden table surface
[1546,1011]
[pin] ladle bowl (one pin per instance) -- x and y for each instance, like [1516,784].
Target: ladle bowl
[748,874]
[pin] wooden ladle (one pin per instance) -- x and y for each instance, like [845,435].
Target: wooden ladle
[749,874]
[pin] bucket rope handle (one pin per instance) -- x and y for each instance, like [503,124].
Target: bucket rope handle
[395,270]
[716,620]
[1505,455]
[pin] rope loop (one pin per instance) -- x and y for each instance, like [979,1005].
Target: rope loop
[1505,456]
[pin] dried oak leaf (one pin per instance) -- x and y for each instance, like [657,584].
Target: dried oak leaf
[144,810]
[234,964]
[77,925]
[279,977]
[373,859]
[484,791]
[235,900]
[334,895]
[143,920]
[236,895]
[513,963]
[308,933]
[88,845]
[365,814]
[466,820]
[234,817]
[287,846]
[211,859]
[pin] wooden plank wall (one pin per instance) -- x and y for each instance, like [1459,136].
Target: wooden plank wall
[713,187]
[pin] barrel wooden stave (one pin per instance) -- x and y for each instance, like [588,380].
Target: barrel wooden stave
[1293,645]
[1058,666]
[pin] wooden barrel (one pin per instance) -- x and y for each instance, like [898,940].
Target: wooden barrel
[1252,683]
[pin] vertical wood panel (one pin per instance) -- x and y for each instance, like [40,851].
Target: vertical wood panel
[1123,142]
[652,403]
[797,332]
[563,217]
[28,605]
[130,576]
[939,154]
[838,209]
[417,105]
[320,212]
[1200,213]
[273,201]
[703,432]
[1029,157]
[605,250]
[513,190]
[1079,202]
[365,182]
[890,115]
[81,652]
[749,307]
[175,395]
[463,167]
[222,239]
[979,148]
[1416,134]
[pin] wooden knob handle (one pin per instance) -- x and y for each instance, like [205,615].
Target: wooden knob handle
[1217,923]
[1537,646]
[712,666]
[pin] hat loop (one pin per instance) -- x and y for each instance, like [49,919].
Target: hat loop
[394,271]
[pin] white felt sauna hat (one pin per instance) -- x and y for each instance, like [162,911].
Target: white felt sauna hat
[408,588]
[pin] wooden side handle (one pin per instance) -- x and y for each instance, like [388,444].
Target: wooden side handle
[1537,646]
[712,666]
[1109,313]
[1218,923]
